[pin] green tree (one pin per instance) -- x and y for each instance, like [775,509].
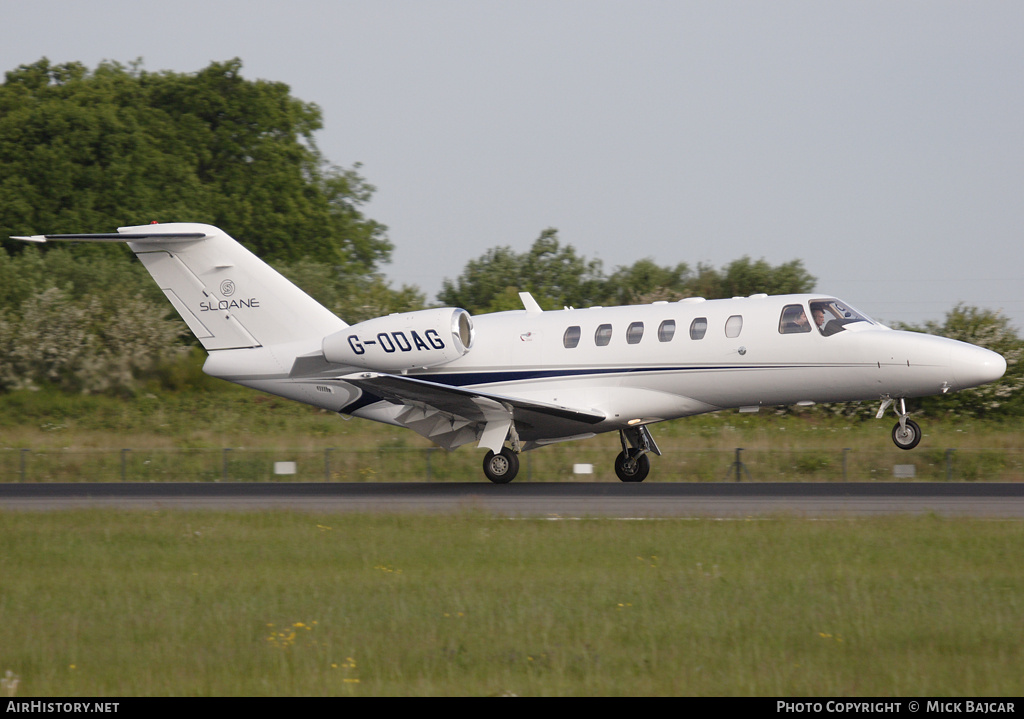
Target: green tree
[483,282]
[554,274]
[88,151]
[75,345]
[744,277]
[645,281]
[82,322]
[557,276]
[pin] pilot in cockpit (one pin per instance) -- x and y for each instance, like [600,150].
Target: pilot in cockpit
[819,317]
[827,326]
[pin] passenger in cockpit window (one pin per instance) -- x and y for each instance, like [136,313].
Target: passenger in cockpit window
[801,322]
[793,320]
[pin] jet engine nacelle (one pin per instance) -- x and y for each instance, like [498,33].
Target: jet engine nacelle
[404,340]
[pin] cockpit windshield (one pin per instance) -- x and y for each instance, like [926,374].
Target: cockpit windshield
[831,316]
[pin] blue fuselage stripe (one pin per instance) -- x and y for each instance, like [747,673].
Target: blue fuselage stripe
[462,379]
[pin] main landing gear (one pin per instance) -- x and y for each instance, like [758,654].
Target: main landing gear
[906,434]
[631,465]
[501,468]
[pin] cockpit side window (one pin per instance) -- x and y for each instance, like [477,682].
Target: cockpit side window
[832,316]
[793,320]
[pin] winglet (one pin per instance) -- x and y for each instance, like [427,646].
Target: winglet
[529,303]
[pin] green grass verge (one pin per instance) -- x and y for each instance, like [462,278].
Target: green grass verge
[108,603]
[180,436]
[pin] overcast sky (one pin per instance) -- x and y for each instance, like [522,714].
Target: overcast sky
[880,142]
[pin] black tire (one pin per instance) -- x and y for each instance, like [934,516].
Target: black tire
[909,438]
[503,467]
[632,467]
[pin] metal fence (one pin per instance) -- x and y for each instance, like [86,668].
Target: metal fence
[557,463]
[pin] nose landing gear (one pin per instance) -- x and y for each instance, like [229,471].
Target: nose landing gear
[906,434]
[632,464]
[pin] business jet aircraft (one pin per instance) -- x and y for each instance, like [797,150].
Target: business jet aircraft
[515,381]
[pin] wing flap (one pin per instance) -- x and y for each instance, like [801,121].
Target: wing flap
[451,416]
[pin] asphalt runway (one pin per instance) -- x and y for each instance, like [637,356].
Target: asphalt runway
[540,499]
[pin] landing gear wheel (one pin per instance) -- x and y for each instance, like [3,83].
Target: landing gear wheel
[906,438]
[632,467]
[501,468]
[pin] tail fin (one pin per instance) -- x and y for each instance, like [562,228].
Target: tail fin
[228,297]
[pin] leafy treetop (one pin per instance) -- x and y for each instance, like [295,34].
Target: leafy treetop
[558,276]
[88,151]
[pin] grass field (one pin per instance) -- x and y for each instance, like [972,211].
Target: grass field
[108,603]
[47,436]
[232,416]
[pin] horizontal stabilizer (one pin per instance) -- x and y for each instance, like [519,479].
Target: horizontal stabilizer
[115,237]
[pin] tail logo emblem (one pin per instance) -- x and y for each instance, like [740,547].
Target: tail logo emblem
[227,288]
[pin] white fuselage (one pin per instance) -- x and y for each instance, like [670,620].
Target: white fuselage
[746,361]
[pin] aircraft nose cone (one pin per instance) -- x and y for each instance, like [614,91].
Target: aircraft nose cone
[973,366]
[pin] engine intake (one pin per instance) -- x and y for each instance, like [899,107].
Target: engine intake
[401,341]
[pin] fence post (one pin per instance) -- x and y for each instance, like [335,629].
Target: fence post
[327,464]
[738,466]
[949,464]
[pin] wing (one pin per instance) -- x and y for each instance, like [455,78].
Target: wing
[453,416]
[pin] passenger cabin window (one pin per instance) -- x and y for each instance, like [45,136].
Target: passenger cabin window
[571,338]
[635,333]
[832,316]
[733,326]
[793,320]
[603,335]
[666,331]
[698,328]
